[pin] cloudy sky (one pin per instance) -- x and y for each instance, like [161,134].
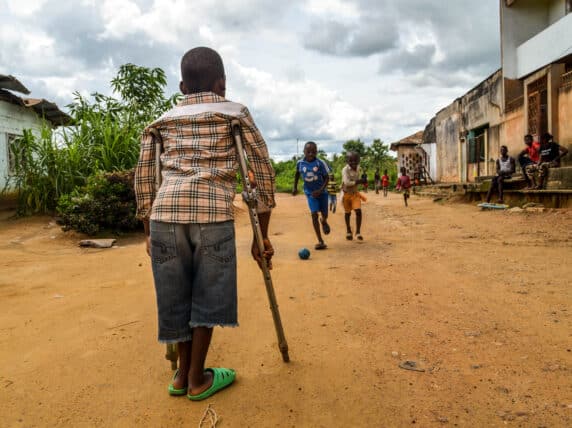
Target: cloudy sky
[326,70]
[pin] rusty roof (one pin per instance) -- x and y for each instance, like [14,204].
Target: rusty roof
[13,84]
[412,140]
[43,108]
[48,111]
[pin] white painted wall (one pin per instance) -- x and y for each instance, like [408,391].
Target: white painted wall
[431,150]
[549,46]
[13,120]
[519,22]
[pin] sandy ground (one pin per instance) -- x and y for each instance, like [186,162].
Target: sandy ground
[480,300]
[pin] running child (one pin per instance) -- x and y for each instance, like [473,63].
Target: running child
[404,183]
[332,192]
[352,197]
[315,173]
[385,183]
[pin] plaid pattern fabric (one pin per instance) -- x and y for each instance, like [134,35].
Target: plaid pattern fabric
[199,162]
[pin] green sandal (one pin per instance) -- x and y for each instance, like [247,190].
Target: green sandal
[221,379]
[174,391]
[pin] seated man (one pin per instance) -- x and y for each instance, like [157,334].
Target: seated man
[528,156]
[505,168]
[550,154]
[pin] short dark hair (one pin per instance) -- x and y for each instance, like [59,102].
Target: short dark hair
[310,143]
[504,147]
[547,136]
[351,154]
[200,68]
[528,137]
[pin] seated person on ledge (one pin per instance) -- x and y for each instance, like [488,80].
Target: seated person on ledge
[505,168]
[550,155]
[528,156]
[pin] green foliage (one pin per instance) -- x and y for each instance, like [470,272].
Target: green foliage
[285,172]
[356,146]
[43,171]
[373,156]
[103,137]
[106,203]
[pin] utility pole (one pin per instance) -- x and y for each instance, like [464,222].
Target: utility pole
[297,148]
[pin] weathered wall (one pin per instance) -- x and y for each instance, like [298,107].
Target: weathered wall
[13,119]
[479,107]
[512,131]
[482,105]
[447,128]
[565,123]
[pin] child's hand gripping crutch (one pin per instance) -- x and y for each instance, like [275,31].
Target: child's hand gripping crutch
[250,198]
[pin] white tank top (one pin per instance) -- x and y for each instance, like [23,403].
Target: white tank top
[505,167]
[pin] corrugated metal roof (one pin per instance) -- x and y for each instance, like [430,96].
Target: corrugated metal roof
[48,110]
[13,84]
[43,108]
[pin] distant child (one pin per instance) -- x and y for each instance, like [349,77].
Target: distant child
[315,173]
[385,183]
[404,183]
[377,181]
[352,197]
[332,192]
[364,181]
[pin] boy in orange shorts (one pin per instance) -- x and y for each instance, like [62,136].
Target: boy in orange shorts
[352,197]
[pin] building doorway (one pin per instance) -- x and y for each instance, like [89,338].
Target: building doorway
[477,152]
[538,107]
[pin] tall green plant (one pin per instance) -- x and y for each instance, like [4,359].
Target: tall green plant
[103,137]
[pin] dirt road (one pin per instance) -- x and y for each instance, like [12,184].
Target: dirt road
[482,301]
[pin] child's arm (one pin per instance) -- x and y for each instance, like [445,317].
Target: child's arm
[259,162]
[318,192]
[296,178]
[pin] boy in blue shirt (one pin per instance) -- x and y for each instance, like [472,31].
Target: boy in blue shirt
[314,172]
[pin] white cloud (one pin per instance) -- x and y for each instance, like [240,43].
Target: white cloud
[122,18]
[24,8]
[335,9]
[327,70]
[32,50]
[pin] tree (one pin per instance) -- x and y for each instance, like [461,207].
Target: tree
[378,154]
[357,146]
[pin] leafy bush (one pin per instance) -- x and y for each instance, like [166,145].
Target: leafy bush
[104,136]
[106,203]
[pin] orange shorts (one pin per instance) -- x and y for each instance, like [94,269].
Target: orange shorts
[351,201]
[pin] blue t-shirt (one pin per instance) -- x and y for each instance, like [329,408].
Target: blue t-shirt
[313,173]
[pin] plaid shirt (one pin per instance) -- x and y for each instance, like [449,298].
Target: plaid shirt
[199,162]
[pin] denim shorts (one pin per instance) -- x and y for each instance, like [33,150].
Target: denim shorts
[319,204]
[194,267]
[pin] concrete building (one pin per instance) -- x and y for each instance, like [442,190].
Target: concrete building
[17,114]
[530,94]
[536,48]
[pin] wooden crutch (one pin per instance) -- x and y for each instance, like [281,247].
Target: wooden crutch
[171,353]
[251,201]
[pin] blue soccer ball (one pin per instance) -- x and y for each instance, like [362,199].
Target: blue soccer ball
[304,254]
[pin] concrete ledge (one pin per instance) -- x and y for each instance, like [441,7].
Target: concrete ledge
[477,192]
